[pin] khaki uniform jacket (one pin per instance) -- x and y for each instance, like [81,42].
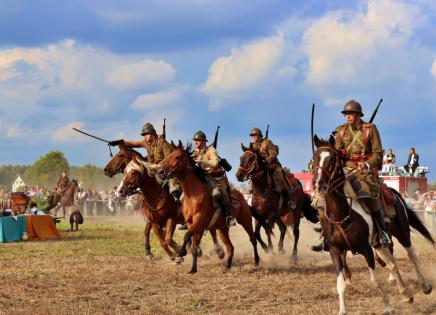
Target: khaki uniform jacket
[63,183]
[361,143]
[267,150]
[157,150]
[208,159]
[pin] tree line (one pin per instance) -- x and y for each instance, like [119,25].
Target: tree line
[47,169]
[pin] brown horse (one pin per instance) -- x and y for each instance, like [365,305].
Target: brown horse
[57,201]
[198,208]
[159,207]
[267,201]
[345,224]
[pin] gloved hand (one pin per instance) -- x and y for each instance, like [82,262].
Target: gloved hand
[115,142]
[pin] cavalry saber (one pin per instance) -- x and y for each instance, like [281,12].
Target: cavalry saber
[89,135]
[375,111]
[311,127]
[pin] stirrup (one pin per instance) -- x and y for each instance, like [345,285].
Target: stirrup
[385,241]
[230,221]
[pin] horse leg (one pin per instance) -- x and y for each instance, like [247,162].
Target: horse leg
[258,237]
[147,230]
[169,234]
[426,287]
[182,253]
[336,254]
[369,257]
[224,234]
[271,220]
[347,272]
[216,246]
[385,254]
[194,250]
[248,227]
[161,239]
[282,228]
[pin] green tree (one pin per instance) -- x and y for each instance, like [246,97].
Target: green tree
[46,170]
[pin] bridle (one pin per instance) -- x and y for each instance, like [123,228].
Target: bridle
[253,166]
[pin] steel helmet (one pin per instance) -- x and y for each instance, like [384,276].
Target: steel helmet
[148,129]
[352,106]
[256,131]
[199,135]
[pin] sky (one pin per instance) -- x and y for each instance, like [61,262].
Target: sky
[107,67]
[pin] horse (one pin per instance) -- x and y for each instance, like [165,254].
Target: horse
[346,224]
[76,218]
[198,206]
[267,201]
[168,214]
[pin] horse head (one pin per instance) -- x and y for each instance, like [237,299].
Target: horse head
[119,161]
[134,173]
[177,162]
[325,165]
[250,164]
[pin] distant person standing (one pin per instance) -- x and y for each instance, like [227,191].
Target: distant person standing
[412,162]
[388,162]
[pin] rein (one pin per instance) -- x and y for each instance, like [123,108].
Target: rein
[254,165]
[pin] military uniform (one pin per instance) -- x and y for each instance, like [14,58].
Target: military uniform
[269,152]
[157,150]
[207,158]
[63,184]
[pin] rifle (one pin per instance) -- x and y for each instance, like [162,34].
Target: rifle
[311,128]
[222,162]
[267,131]
[215,139]
[164,133]
[95,137]
[375,111]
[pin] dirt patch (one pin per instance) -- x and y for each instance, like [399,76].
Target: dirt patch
[103,270]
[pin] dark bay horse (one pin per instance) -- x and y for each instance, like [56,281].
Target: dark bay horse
[198,207]
[346,224]
[267,201]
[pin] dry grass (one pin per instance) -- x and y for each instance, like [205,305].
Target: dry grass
[102,270]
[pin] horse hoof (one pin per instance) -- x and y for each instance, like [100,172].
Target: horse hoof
[342,313]
[282,251]
[294,257]
[178,260]
[199,252]
[192,272]
[149,257]
[427,290]
[388,311]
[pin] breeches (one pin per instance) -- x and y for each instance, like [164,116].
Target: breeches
[373,204]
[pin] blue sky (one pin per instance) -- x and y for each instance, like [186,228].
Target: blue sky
[109,66]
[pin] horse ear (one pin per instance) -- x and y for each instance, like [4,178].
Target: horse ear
[332,141]
[180,144]
[243,147]
[317,141]
[173,145]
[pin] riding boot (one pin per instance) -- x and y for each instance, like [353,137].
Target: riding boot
[230,221]
[287,198]
[379,220]
[321,246]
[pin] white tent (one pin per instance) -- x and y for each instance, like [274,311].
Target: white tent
[18,184]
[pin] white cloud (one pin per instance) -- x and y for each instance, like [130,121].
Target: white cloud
[158,99]
[17,132]
[433,69]
[140,73]
[67,134]
[348,50]
[244,68]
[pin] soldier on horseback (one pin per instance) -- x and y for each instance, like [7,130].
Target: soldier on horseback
[157,149]
[63,183]
[207,158]
[361,150]
[269,152]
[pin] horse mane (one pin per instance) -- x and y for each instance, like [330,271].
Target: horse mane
[133,151]
[201,173]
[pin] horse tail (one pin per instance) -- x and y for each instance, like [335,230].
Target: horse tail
[414,221]
[310,213]
[261,220]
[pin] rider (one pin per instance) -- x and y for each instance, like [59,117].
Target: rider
[157,149]
[207,158]
[63,183]
[361,150]
[269,152]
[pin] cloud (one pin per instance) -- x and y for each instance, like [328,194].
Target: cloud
[433,69]
[140,74]
[158,99]
[245,67]
[16,131]
[349,50]
[67,134]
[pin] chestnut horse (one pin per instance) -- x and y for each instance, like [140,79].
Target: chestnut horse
[168,213]
[266,200]
[198,207]
[345,224]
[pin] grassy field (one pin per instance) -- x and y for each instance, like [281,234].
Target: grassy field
[102,270]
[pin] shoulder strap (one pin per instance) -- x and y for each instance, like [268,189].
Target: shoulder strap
[366,129]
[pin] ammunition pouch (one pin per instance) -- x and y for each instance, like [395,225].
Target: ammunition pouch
[225,165]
